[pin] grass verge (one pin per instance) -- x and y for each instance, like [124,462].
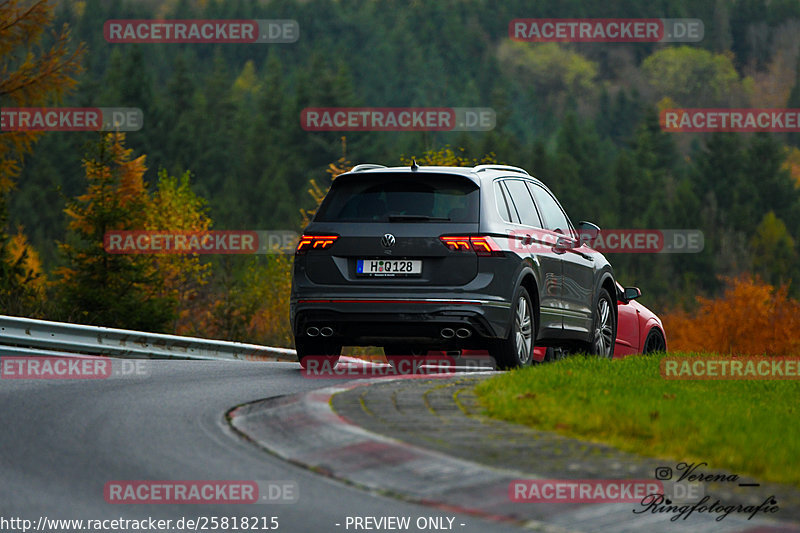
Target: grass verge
[747,427]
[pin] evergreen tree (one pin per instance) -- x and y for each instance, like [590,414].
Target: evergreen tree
[794,102]
[771,187]
[101,288]
[719,177]
[773,248]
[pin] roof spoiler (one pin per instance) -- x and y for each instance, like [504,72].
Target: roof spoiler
[366,166]
[481,168]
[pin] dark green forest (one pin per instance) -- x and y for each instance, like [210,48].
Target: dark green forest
[582,117]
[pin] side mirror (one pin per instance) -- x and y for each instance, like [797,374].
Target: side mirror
[587,231]
[631,293]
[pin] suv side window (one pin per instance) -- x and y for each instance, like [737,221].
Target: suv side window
[524,203]
[500,200]
[554,217]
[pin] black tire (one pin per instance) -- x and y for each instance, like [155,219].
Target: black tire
[654,342]
[604,326]
[517,349]
[325,354]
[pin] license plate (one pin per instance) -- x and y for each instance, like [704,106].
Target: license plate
[388,267]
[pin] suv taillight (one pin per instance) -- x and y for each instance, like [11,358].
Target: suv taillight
[480,244]
[314,242]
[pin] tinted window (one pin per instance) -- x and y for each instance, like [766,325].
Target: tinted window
[500,200]
[524,203]
[554,217]
[377,198]
[512,211]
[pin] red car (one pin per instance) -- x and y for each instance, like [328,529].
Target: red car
[639,330]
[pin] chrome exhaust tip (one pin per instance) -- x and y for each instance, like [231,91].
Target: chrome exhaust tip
[312,331]
[463,333]
[448,333]
[326,331]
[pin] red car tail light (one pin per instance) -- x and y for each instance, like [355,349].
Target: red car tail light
[314,242]
[481,245]
[485,246]
[457,244]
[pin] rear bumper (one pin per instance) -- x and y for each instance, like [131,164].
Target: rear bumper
[382,319]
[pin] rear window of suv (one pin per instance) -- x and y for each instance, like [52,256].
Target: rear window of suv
[400,198]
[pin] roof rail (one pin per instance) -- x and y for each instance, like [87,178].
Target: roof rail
[366,166]
[481,168]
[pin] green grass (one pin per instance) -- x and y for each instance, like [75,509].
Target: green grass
[748,427]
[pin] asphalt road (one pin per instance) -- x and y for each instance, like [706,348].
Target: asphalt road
[61,441]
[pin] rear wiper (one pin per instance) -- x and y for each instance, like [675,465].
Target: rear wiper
[395,218]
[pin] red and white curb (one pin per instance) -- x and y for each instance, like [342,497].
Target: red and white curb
[304,430]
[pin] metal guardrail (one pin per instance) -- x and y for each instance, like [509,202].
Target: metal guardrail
[27,336]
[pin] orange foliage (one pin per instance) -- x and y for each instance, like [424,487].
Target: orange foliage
[175,207]
[31,75]
[792,164]
[120,186]
[751,318]
[20,250]
[247,303]
[116,185]
[270,322]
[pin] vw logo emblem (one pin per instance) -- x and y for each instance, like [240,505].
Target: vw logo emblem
[388,240]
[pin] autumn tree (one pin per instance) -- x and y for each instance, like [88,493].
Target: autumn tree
[22,282]
[248,301]
[695,77]
[794,102]
[555,73]
[30,75]
[751,318]
[175,207]
[773,249]
[116,290]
